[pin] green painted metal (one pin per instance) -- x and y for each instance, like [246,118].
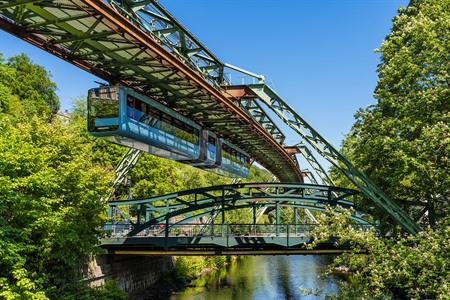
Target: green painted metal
[358,216]
[123,170]
[152,17]
[188,205]
[258,113]
[260,238]
[324,148]
[314,163]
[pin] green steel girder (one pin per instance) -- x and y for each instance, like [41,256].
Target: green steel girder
[9,4]
[138,228]
[357,216]
[263,118]
[93,36]
[213,216]
[242,190]
[324,148]
[122,170]
[315,165]
[210,200]
[157,21]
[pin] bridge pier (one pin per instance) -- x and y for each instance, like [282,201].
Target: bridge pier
[133,274]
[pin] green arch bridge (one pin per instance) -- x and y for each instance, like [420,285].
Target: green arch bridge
[193,222]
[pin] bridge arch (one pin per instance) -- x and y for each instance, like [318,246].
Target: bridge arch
[185,206]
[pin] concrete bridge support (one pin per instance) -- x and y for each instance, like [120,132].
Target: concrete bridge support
[133,274]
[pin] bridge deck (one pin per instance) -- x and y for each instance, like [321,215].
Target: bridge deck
[216,245]
[218,239]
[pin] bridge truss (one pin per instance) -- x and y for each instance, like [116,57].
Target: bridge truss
[192,205]
[174,223]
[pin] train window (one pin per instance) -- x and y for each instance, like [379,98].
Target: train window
[144,107]
[169,123]
[211,140]
[153,113]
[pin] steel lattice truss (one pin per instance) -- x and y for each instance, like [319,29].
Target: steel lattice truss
[325,149]
[156,20]
[137,46]
[186,206]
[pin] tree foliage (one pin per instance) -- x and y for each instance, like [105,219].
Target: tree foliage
[50,190]
[413,267]
[28,83]
[403,141]
[403,144]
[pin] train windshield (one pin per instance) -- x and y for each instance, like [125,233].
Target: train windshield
[103,109]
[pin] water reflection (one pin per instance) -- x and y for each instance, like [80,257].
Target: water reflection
[265,277]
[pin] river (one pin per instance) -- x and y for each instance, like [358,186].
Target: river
[265,278]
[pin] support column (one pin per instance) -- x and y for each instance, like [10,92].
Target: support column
[212,223]
[139,211]
[148,214]
[277,218]
[254,218]
[295,219]
[166,228]
[223,206]
[110,211]
[166,233]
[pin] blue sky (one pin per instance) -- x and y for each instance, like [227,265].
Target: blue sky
[319,54]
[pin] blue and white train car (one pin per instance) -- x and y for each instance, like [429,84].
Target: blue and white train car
[234,160]
[136,121]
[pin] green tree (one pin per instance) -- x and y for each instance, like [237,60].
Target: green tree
[413,267]
[49,205]
[403,141]
[32,84]
[50,190]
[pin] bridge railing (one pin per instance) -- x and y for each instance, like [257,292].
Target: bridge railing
[219,230]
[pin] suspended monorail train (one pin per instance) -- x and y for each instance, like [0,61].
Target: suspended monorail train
[136,121]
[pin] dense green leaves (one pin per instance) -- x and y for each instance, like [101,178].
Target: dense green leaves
[403,141]
[29,83]
[413,267]
[49,204]
[50,189]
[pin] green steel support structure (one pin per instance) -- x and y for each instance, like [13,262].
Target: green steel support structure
[186,207]
[140,45]
[174,227]
[324,148]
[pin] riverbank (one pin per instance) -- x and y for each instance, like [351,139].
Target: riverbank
[187,272]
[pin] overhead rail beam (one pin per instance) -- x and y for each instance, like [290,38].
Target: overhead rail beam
[157,21]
